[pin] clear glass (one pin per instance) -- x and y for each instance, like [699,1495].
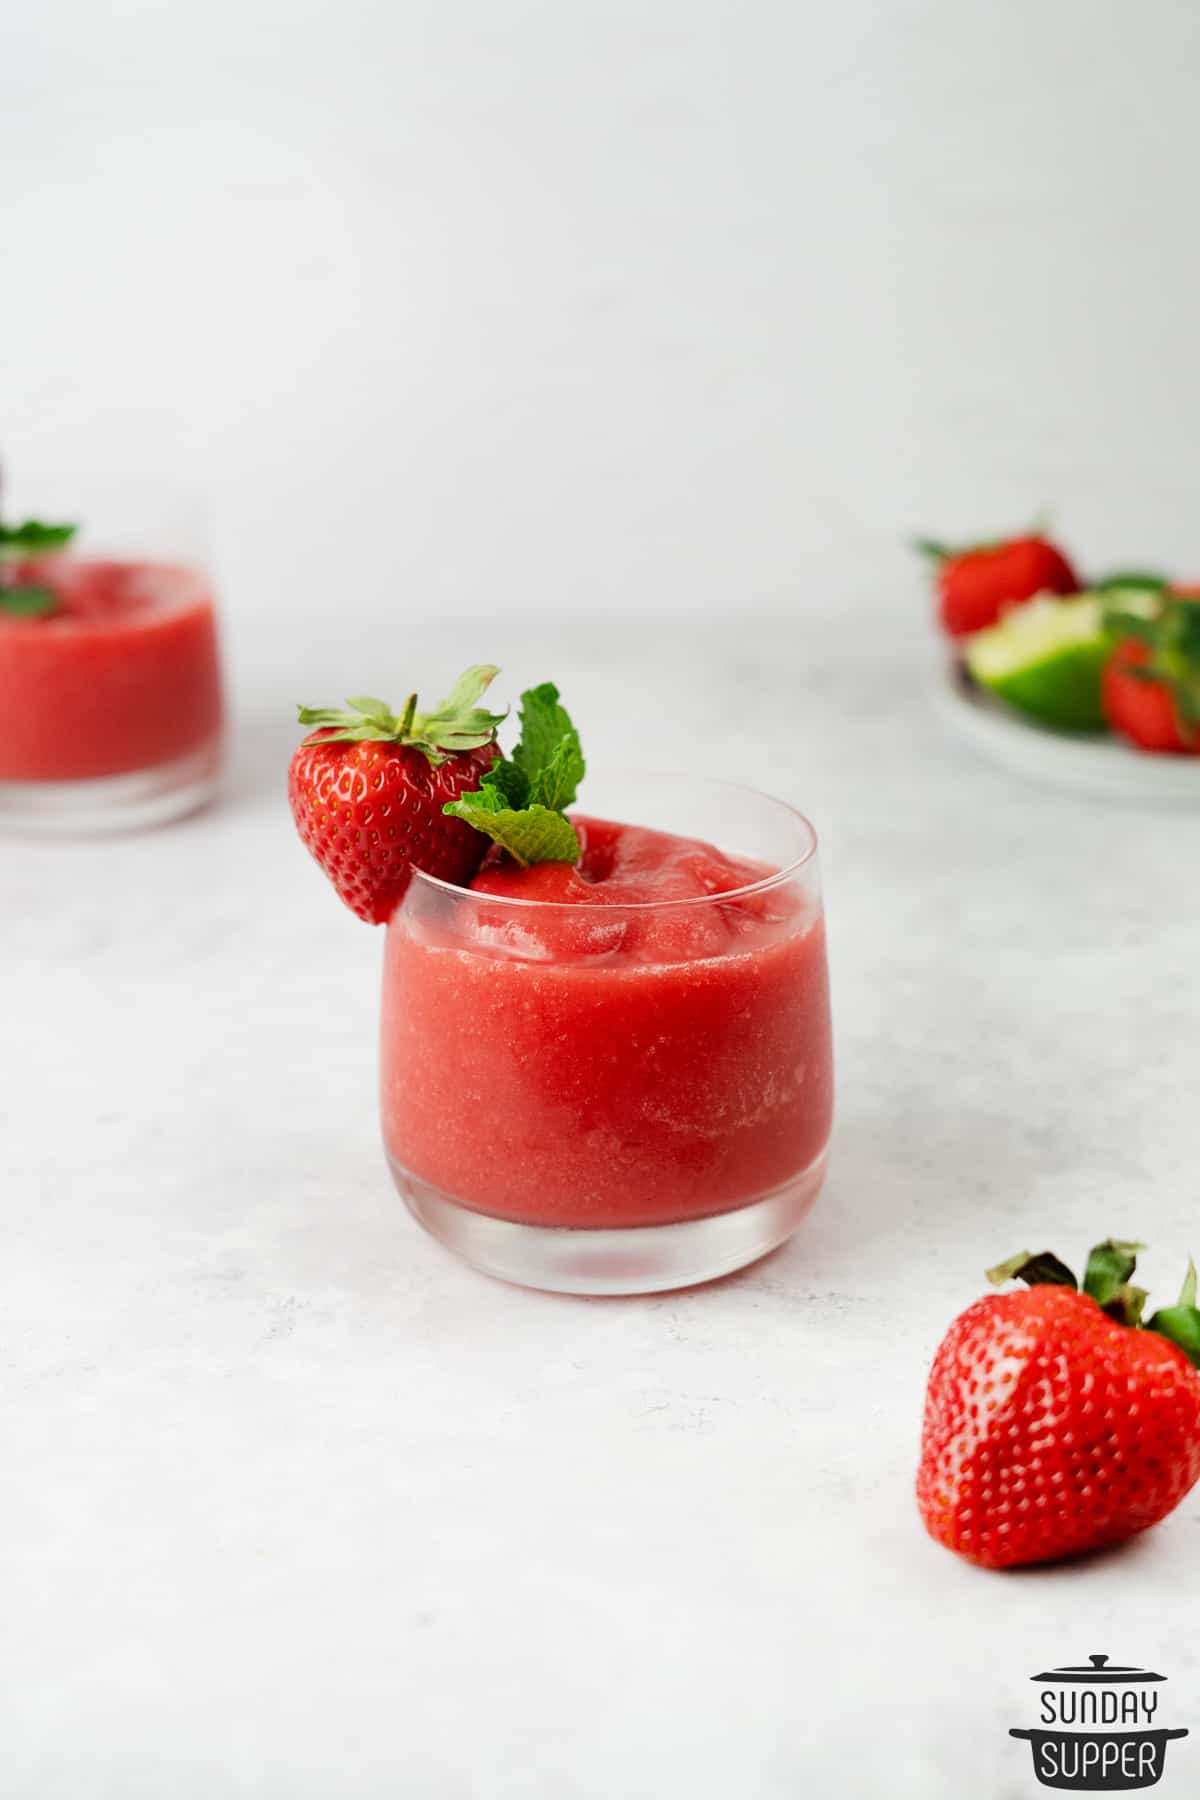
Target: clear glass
[616,1099]
[113,704]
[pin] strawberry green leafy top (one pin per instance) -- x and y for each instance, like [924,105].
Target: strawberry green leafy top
[1107,1279]
[457,723]
[521,800]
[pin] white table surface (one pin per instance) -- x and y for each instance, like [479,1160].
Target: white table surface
[295,1506]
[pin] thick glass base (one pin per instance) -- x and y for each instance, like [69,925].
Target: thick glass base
[112,802]
[641,1259]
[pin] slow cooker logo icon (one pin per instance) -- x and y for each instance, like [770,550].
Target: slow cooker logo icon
[1099,1728]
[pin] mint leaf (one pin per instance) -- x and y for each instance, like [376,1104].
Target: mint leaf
[35,535]
[510,781]
[530,834]
[28,602]
[549,752]
[559,779]
[521,802]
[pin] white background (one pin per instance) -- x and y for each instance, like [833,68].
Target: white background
[477,310]
[478,305]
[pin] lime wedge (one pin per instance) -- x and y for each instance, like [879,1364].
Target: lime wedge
[1045,658]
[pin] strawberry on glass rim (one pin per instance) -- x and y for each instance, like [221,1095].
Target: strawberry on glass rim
[1055,1422]
[606,1060]
[368,790]
[977,585]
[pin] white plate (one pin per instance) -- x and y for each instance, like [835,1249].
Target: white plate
[1101,766]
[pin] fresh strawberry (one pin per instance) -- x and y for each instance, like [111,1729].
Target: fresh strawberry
[976,586]
[367,789]
[1053,1423]
[1140,708]
[1151,684]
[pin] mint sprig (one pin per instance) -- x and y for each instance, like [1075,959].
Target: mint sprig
[27,601]
[24,599]
[530,834]
[549,754]
[35,535]
[521,802]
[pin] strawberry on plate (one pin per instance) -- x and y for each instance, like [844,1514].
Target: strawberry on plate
[367,790]
[1055,1423]
[1151,683]
[977,585]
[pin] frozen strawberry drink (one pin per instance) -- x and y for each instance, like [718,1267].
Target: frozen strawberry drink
[614,1075]
[606,1061]
[111,679]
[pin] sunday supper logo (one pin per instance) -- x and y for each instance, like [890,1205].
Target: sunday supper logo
[1099,1728]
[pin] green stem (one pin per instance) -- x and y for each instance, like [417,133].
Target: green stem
[406,718]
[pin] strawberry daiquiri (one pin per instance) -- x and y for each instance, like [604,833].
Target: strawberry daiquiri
[109,682]
[638,1049]
[606,1051]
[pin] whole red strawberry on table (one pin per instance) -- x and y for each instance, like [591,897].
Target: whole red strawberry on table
[1055,1422]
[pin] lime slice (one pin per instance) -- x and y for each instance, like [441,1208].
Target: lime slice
[1045,658]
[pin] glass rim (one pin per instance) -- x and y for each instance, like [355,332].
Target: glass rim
[778,877]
